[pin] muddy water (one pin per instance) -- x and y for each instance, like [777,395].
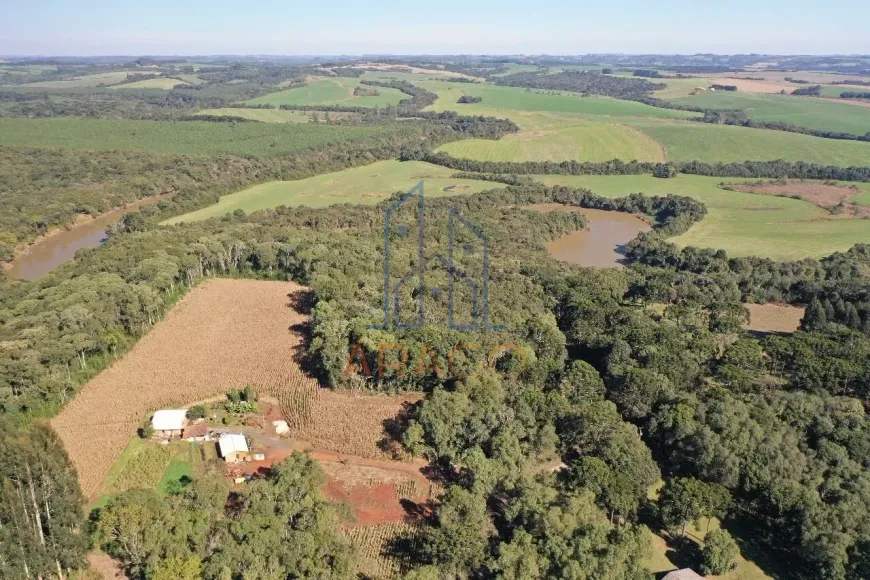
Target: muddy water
[601,244]
[60,246]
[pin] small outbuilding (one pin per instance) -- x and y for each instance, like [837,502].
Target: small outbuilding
[169,422]
[198,432]
[684,574]
[233,447]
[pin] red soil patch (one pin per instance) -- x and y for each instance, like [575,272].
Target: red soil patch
[828,195]
[371,505]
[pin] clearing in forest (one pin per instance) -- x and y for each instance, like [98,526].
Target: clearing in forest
[782,318]
[361,185]
[223,335]
[333,91]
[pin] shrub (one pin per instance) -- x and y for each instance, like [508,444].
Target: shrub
[197,412]
[720,553]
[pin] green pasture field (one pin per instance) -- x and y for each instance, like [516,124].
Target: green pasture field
[181,467]
[572,139]
[26,69]
[95,80]
[361,185]
[681,87]
[332,91]
[158,83]
[689,141]
[515,67]
[743,224]
[819,114]
[509,101]
[192,79]
[262,115]
[181,137]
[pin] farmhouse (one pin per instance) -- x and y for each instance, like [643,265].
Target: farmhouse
[169,422]
[198,432]
[233,447]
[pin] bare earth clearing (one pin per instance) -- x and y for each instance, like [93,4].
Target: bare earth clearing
[223,335]
[826,195]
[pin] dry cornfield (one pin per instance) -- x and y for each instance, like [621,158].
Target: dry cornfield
[351,423]
[375,544]
[223,335]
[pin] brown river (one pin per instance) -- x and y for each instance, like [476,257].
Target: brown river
[601,244]
[60,246]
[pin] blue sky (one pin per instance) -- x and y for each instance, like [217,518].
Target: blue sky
[163,27]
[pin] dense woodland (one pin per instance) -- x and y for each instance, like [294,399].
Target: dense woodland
[627,377]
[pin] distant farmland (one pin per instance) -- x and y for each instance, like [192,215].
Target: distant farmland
[820,114]
[361,185]
[339,91]
[262,115]
[743,224]
[158,83]
[182,137]
[94,80]
[507,99]
[575,140]
[691,141]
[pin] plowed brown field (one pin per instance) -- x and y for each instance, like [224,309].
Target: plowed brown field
[223,335]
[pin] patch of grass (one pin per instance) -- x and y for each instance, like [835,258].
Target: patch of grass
[689,141]
[743,224]
[820,114]
[262,115]
[361,185]
[332,91]
[159,83]
[681,87]
[661,559]
[577,140]
[181,137]
[140,466]
[179,472]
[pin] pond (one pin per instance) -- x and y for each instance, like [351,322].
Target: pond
[60,246]
[602,243]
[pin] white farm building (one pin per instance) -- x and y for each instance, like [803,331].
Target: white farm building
[169,422]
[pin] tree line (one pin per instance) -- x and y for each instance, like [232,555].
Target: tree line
[750,169]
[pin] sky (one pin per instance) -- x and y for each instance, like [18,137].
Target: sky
[353,27]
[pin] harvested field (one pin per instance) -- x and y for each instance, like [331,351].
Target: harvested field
[222,335]
[828,195]
[347,423]
[822,194]
[376,544]
[774,317]
[751,86]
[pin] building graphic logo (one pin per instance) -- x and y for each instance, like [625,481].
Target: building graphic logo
[475,284]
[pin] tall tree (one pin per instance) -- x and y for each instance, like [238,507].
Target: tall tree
[41,517]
